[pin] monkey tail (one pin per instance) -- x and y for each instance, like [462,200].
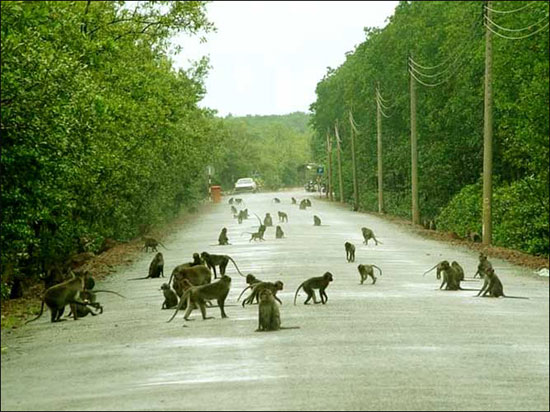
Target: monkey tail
[40,314]
[185,296]
[162,244]
[146,277]
[515,297]
[244,290]
[259,220]
[296,294]
[240,273]
[289,327]
[380,270]
[429,270]
[110,291]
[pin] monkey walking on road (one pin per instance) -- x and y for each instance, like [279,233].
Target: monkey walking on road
[350,251]
[368,270]
[320,282]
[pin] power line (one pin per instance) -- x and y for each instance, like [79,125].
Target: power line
[515,30]
[516,37]
[510,11]
[379,97]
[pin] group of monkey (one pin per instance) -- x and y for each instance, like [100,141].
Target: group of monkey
[192,282]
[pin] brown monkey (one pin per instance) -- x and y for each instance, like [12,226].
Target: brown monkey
[223,239]
[303,204]
[170,297]
[199,294]
[279,234]
[473,237]
[367,235]
[293,200]
[267,220]
[451,277]
[156,268]
[89,297]
[276,200]
[61,295]
[251,279]
[439,267]
[218,260]
[320,282]
[493,286]
[283,217]
[151,243]
[230,201]
[368,270]
[274,287]
[316,220]
[241,216]
[307,202]
[197,275]
[484,266]
[350,251]
[458,269]
[234,211]
[269,317]
[238,200]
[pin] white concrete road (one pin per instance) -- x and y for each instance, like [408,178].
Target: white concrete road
[401,344]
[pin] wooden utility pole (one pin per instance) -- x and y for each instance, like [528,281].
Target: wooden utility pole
[354,169]
[379,140]
[329,153]
[488,134]
[339,163]
[414,156]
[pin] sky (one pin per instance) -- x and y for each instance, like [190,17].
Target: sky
[268,56]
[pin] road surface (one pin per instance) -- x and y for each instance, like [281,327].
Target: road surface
[401,344]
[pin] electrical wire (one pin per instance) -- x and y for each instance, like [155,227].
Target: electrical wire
[516,37]
[510,11]
[515,30]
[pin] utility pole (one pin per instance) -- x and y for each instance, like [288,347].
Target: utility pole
[379,140]
[354,169]
[329,152]
[339,163]
[488,134]
[414,156]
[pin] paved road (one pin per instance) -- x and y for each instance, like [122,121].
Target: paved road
[401,344]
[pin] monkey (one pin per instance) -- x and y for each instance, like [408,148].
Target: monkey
[307,202]
[279,234]
[484,266]
[251,280]
[303,205]
[218,260]
[493,286]
[473,237]
[267,220]
[431,225]
[223,239]
[274,287]
[350,251]
[256,236]
[197,275]
[316,220]
[368,270]
[276,200]
[367,235]
[54,274]
[170,297]
[199,294]
[61,295]
[439,267]
[241,216]
[234,210]
[458,269]
[196,261]
[245,214]
[230,201]
[238,201]
[283,217]
[293,200]
[156,268]
[451,277]
[151,243]
[89,298]
[320,282]
[269,317]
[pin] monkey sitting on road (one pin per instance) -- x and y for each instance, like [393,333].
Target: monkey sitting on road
[234,211]
[267,220]
[293,200]
[230,201]
[458,269]
[274,287]
[303,204]
[283,217]
[269,316]
[493,286]
[279,234]
[316,220]
[368,270]
[156,268]
[350,251]
[223,239]
[200,294]
[170,297]
[320,282]
[367,235]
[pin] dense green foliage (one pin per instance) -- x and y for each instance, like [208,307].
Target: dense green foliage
[449,118]
[268,148]
[100,136]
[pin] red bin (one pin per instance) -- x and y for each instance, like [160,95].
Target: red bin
[216,193]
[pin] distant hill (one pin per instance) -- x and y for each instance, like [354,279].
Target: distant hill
[298,121]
